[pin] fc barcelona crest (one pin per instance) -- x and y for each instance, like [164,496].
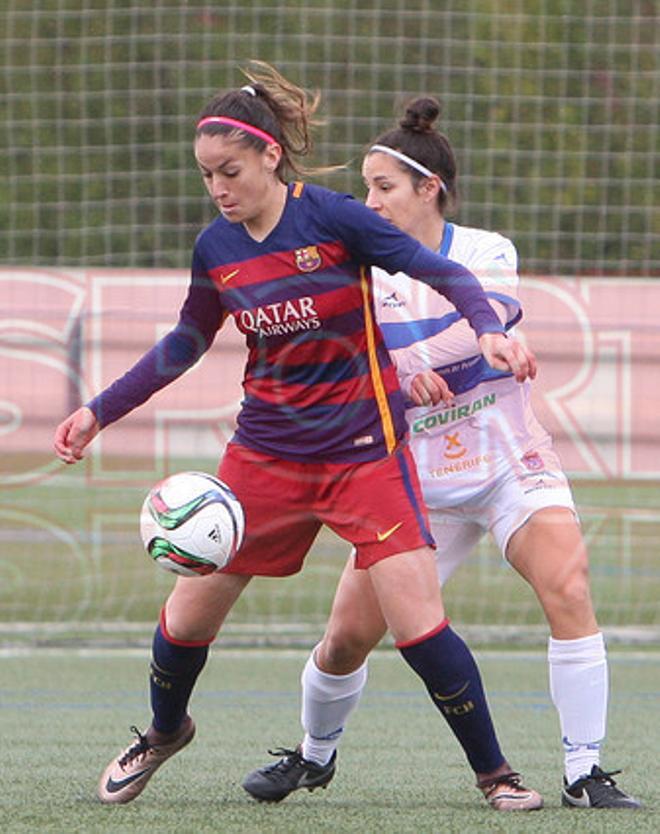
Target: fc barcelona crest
[308,258]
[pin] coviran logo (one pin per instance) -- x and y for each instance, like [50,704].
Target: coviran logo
[280,318]
[451,415]
[308,259]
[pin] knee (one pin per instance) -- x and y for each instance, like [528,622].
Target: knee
[569,587]
[185,632]
[342,652]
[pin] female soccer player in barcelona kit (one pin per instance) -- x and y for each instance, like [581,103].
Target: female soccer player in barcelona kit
[485,464]
[321,422]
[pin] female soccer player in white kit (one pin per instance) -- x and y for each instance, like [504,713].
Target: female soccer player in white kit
[485,464]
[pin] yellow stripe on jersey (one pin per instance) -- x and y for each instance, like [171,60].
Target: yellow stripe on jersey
[298,189]
[376,377]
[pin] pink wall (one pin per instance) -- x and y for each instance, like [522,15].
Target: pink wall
[597,341]
[598,389]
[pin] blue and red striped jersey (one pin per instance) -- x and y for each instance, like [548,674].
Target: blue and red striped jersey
[319,383]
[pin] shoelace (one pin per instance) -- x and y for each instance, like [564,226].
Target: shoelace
[512,779]
[603,776]
[288,758]
[140,747]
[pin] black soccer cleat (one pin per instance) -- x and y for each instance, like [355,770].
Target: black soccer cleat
[272,783]
[597,790]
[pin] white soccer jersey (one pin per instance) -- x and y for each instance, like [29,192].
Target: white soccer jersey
[491,430]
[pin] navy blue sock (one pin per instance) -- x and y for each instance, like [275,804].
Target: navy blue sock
[174,670]
[447,667]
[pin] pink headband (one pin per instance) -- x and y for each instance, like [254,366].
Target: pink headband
[225,120]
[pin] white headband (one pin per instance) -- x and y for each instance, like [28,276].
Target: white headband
[412,163]
[249,89]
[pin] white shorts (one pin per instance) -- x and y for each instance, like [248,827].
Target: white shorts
[501,508]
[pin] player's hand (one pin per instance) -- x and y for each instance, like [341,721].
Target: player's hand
[506,354]
[74,434]
[429,388]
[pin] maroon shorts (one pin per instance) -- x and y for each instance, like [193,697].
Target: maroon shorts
[375,506]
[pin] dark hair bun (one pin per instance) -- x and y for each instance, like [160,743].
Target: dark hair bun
[420,114]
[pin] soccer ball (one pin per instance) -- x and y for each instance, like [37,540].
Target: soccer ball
[192,524]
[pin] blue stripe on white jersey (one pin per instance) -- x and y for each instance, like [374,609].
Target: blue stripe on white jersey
[466,372]
[401,334]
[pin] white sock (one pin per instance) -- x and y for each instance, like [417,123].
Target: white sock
[327,701]
[579,688]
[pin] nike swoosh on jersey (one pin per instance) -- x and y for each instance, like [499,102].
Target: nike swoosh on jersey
[229,275]
[112,786]
[454,695]
[382,536]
